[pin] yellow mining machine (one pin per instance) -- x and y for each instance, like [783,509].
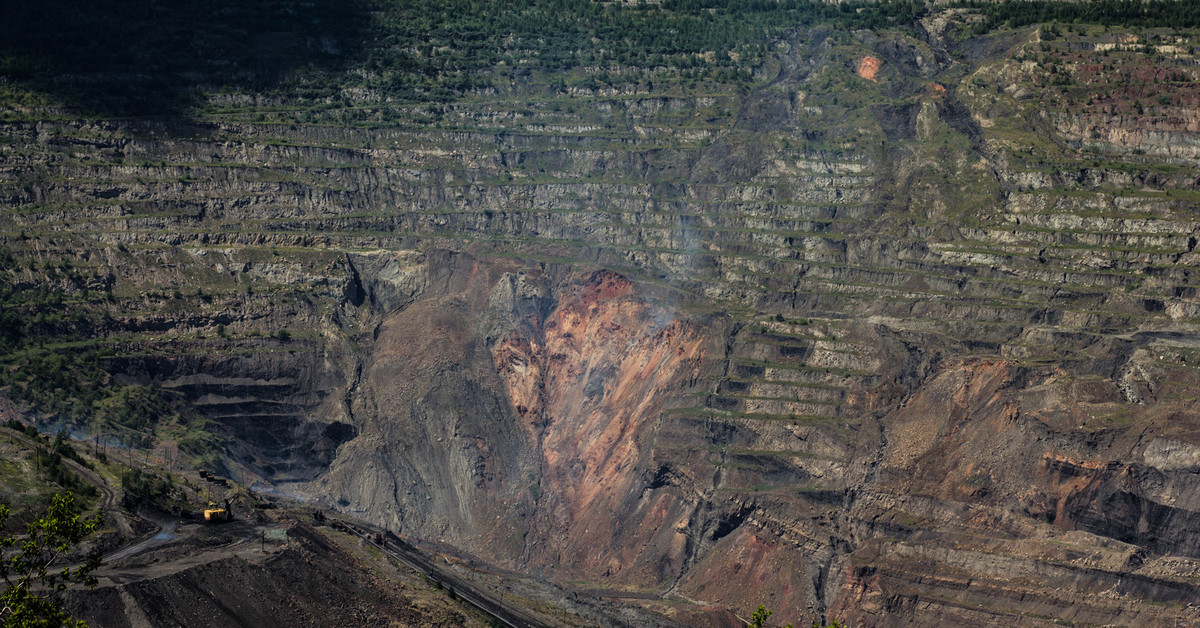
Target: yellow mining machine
[217,514]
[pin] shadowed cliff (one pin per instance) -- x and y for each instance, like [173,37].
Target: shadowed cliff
[157,58]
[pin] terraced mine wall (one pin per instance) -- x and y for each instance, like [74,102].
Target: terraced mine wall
[912,343]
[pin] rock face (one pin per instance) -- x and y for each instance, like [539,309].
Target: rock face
[507,409]
[900,342]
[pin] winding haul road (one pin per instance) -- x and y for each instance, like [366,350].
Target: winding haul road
[467,591]
[109,496]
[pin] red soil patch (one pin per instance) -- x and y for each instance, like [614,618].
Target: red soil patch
[868,66]
[604,285]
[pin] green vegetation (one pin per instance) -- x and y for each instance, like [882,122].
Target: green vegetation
[1127,13]
[48,461]
[761,614]
[76,386]
[760,617]
[30,598]
[50,466]
[145,487]
[311,54]
[366,62]
[55,360]
[714,38]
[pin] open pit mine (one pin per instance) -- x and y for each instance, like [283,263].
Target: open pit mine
[883,313]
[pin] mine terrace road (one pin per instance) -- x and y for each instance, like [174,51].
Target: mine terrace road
[480,599]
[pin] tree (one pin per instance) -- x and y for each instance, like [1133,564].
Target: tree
[759,619]
[760,616]
[32,587]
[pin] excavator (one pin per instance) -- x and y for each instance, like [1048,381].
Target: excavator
[215,514]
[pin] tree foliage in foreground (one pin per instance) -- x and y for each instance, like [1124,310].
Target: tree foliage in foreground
[32,582]
[761,614]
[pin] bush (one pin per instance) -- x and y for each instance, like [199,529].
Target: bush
[31,595]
